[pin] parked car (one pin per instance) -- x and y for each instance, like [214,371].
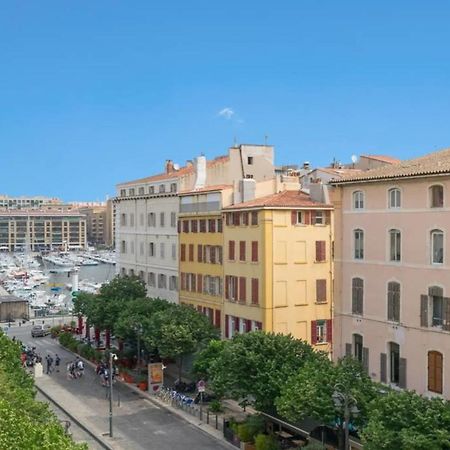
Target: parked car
[40,330]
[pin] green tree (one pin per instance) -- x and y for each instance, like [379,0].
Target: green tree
[205,358]
[407,421]
[178,331]
[258,364]
[309,392]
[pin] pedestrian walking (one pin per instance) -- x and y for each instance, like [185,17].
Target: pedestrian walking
[49,361]
[57,361]
[80,368]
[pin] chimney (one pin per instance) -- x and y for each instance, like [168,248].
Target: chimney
[306,165]
[169,166]
[189,163]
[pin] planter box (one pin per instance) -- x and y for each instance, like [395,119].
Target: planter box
[143,385]
[248,446]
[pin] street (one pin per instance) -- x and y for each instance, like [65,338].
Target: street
[138,423]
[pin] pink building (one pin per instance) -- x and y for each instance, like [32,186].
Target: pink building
[392,282]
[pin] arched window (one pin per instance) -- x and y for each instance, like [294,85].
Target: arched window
[394,245]
[436,196]
[393,297]
[357,296]
[394,198]
[435,365]
[359,244]
[358,200]
[437,247]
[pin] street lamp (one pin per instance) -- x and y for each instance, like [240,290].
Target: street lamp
[111,357]
[344,400]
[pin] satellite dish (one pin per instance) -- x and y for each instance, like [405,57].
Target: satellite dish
[354,159]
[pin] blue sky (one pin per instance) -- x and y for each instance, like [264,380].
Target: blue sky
[97,92]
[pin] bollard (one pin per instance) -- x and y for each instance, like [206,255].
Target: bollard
[217,422]
[207,417]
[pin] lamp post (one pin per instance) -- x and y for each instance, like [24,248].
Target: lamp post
[111,357]
[343,400]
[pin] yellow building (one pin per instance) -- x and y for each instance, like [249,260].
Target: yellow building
[200,230]
[277,267]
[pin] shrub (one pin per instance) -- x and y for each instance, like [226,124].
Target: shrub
[244,433]
[255,424]
[215,406]
[266,442]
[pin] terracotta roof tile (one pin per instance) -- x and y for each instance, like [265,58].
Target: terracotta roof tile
[431,164]
[383,158]
[284,199]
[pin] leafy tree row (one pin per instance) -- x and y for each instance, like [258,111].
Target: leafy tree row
[25,422]
[278,372]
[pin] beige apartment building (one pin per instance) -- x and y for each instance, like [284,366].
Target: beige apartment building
[392,283]
[41,230]
[147,212]
[98,223]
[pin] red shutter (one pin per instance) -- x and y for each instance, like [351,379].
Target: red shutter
[199,253]
[327,217]
[227,287]
[241,250]
[227,326]
[217,318]
[321,290]
[323,251]
[254,251]
[294,217]
[307,217]
[231,250]
[236,218]
[242,289]
[320,251]
[236,324]
[313,332]
[199,308]
[255,288]
[199,283]
[248,325]
[313,217]
[329,331]
[183,252]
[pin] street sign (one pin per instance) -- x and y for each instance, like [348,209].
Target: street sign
[201,386]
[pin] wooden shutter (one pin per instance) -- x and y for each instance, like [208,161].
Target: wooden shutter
[348,349]
[213,226]
[435,368]
[236,324]
[254,251]
[219,225]
[245,218]
[242,289]
[227,287]
[227,326]
[179,226]
[199,308]
[327,217]
[446,311]
[227,220]
[402,373]
[255,288]
[313,217]
[231,250]
[194,226]
[294,217]
[212,254]
[200,253]
[330,331]
[320,251]
[321,291]
[383,367]
[307,216]
[183,252]
[199,283]
[365,359]
[424,310]
[191,252]
[241,250]
[217,318]
[313,332]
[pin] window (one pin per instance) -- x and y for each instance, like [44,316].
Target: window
[319,218]
[231,250]
[359,244]
[141,248]
[231,287]
[173,283]
[123,247]
[141,275]
[245,218]
[255,289]
[394,245]
[173,187]
[393,297]
[254,251]
[151,219]
[185,226]
[174,251]
[358,347]
[437,247]
[321,291]
[357,295]
[162,281]
[435,375]
[123,271]
[394,362]
[191,252]
[194,226]
[123,193]
[151,279]
[131,191]
[161,219]
[254,218]
[250,160]
[151,249]
[173,219]
[141,191]
[320,251]
[437,196]
[358,200]
[141,219]
[298,217]
[436,295]
[219,226]
[394,198]
[151,189]
[131,220]
[162,249]
[202,225]
[183,252]
[162,188]
[241,250]
[212,225]
[242,289]
[123,219]
[321,331]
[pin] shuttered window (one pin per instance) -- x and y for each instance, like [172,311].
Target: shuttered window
[219,225]
[191,252]
[185,226]
[202,225]
[254,218]
[217,318]
[183,252]
[199,283]
[320,251]
[242,289]
[231,250]
[241,250]
[194,226]
[357,295]
[254,251]
[321,291]
[393,301]
[394,363]
[199,253]
[435,367]
[255,289]
[245,218]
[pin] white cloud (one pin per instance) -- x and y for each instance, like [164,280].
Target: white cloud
[226,113]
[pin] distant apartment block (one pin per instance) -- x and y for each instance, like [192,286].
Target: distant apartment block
[36,202]
[98,223]
[392,286]
[41,230]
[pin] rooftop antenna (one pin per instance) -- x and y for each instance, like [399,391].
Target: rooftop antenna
[265,139]
[354,159]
